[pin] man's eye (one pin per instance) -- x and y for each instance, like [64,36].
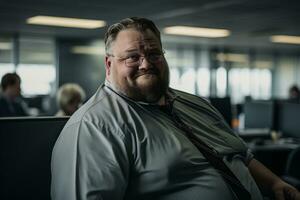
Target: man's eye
[133,58]
[154,55]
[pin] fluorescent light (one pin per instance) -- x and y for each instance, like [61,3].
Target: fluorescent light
[91,50]
[262,64]
[231,57]
[197,31]
[285,39]
[66,22]
[5,45]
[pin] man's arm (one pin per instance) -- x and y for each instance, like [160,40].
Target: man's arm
[269,181]
[89,162]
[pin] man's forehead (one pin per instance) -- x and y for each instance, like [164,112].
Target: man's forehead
[133,38]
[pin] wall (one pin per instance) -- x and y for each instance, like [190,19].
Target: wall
[85,69]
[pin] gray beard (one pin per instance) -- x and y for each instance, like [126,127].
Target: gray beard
[151,94]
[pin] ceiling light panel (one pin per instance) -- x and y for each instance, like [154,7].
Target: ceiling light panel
[197,31]
[66,22]
[285,39]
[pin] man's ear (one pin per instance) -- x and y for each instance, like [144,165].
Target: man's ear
[107,66]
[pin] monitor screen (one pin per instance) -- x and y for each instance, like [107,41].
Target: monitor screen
[289,119]
[259,114]
[25,156]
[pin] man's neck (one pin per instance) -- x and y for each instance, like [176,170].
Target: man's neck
[162,101]
[8,95]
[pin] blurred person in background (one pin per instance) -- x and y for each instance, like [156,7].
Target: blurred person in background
[11,103]
[70,97]
[294,94]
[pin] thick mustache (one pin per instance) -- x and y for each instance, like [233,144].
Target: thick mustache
[148,71]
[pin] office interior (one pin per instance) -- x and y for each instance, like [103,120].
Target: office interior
[246,74]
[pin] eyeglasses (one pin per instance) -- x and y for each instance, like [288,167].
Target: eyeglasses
[136,59]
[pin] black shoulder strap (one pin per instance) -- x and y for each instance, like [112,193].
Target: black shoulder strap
[211,155]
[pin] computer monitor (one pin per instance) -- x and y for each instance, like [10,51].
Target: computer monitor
[25,156]
[289,119]
[259,114]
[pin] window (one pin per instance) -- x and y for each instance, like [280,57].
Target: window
[36,63]
[221,79]
[182,69]
[36,68]
[174,78]
[6,47]
[187,81]
[6,68]
[36,79]
[203,81]
[249,82]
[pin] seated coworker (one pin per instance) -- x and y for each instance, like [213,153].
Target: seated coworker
[70,97]
[294,94]
[11,103]
[138,139]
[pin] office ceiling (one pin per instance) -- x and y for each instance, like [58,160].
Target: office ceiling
[251,21]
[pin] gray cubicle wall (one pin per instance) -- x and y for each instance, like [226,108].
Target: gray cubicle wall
[289,119]
[25,154]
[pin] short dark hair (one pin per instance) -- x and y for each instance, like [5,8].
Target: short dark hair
[9,79]
[295,89]
[140,24]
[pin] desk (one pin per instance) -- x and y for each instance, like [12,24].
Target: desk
[274,155]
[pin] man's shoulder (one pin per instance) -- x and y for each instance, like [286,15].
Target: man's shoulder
[197,103]
[3,101]
[103,113]
[188,97]
[101,107]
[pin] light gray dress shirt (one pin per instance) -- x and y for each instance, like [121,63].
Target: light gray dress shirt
[114,148]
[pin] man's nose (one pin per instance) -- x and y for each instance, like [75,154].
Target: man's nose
[145,64]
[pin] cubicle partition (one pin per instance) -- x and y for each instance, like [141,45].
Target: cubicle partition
[223,105]
[26,145]
[289,119]
[25,154]
[259,114]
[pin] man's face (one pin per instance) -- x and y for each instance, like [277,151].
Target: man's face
[14,90]
[137,66]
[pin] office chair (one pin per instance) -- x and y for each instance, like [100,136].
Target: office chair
[292,172]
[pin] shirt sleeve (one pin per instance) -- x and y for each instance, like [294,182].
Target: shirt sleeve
[89,162]
[249,156]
